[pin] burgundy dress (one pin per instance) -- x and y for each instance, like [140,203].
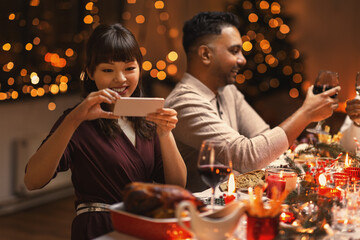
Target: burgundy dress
[101,167]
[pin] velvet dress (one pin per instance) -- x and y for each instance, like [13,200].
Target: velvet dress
[101,167]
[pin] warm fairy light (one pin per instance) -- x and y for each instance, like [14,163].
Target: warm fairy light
[172,56]
[322,179]
[10,65]
[264,44]
[11,16]
[273,23]
[54,58]
[161,29]
[172,69]
[274,83]
[47,79]
[259,58]
[251,34]
[159,4]
[51,106]
[11,81]
[64,79]
[89,6]
[34,78]
[297,78]
[34,3]
[240,78]
[287,70]
[164,16]
[6,47]
[248,74]
[69,52]
[264,5]
[14,95]
[35,21]
[161,75]
[261,68]
[294,93]
[63,87]
[54,89]
[347,160]
[36,41]
[88,19]
[41,92]
[153,73]
[161,65]
[28,46]
[143,51]
[23,72]
[275,8]
[247,5]
[126,15]
[295,53]
[131,1]
[284,29]
[146,65]
[33,92]
[3,96]
[247,46]
[231,184]
[173,32]
[253,17]
[245,38]
[270,59]
[140,19]
[264,86]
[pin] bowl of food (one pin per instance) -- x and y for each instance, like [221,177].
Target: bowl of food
[148,211]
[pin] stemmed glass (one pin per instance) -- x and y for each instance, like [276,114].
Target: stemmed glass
[324,81]
[214,164]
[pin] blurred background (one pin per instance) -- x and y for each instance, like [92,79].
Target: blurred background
[286,43]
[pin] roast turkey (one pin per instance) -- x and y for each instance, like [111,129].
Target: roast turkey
[156,200]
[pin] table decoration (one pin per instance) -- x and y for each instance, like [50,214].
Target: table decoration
[263,219]
[280,178]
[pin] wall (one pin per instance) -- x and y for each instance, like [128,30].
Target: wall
[21,120]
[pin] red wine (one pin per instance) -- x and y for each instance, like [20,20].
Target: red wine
[322,88]
[213,175]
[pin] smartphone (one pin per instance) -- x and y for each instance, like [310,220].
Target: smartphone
[137,106]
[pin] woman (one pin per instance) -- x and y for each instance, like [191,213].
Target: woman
[103,151]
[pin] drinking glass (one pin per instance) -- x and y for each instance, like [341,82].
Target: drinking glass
[214,164]
[324,81]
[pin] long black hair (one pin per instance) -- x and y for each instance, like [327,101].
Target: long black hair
[113,43]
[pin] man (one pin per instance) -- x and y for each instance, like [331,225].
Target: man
[351,125]
[209,106]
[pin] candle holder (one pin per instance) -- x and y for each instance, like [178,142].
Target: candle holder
[280,178]
[353,172]
[262,228]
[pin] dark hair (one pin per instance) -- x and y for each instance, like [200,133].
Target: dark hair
[113,43]
[205,24]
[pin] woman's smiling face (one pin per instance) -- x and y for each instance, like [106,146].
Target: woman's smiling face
[122,77]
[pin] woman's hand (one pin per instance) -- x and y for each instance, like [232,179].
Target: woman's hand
[165,120]
[90,109]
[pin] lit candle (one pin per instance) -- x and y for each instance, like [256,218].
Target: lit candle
[231,189]
[287,217]
[275,181]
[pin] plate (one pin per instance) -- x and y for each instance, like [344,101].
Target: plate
[145,227]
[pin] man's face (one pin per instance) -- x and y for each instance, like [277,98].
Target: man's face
[227,58]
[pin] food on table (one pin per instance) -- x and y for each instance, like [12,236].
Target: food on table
[156,200]
[246,180]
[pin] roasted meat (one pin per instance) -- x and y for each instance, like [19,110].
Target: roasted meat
[156,200]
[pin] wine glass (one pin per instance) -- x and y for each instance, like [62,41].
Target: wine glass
[324,81]
[214,164]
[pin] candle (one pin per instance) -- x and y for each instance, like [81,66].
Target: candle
[280,178]
[327,191]
[287,217]
[231,189]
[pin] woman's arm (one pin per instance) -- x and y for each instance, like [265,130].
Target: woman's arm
[174,166]
[42,165]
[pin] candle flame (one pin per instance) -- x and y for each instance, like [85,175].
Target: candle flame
[283,216]
[231,183]
[347,160]
[322,180]
[281,174]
